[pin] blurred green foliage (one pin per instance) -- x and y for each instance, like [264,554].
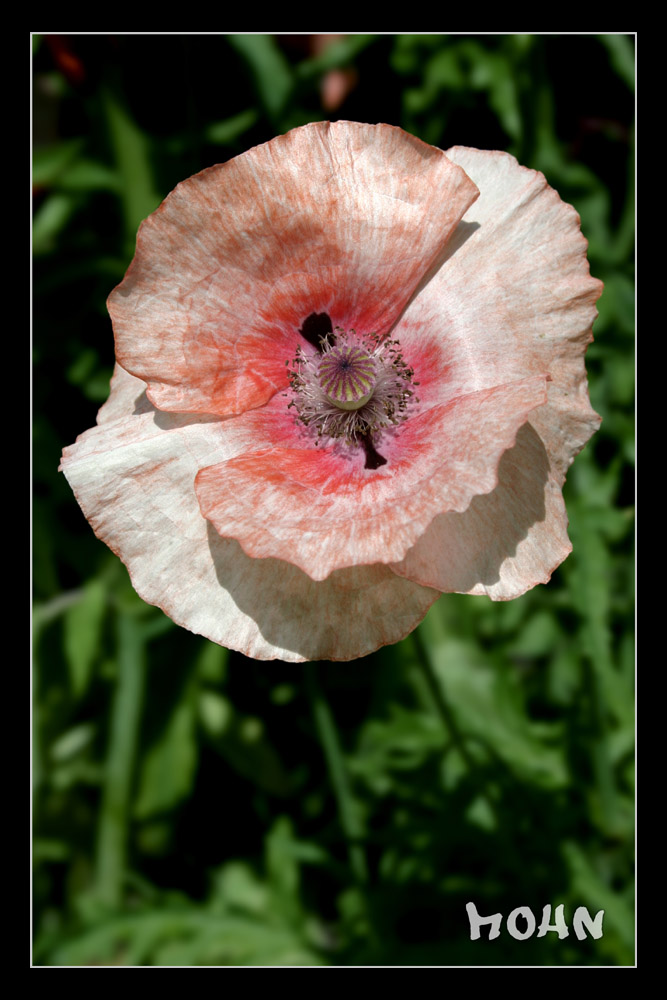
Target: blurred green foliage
[195,808]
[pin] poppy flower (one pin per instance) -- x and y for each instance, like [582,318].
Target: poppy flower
[350,377]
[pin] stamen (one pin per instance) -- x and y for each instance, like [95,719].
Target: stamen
[352,389]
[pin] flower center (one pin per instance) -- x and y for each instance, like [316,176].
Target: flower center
[347,376]
[352,388]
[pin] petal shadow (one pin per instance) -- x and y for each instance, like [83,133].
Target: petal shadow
[507,540]
[350,614]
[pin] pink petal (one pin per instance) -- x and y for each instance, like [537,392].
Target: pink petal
[133,476]
[321,511]
[340,217]
[225,513]
[514,297]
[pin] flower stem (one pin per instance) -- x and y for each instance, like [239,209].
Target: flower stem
[444,711]
[434,681]
[125,715]
[603,770]
[348,809]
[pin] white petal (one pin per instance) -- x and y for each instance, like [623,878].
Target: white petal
[133,476]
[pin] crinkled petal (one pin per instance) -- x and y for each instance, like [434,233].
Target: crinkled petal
[507,541]
[513,297]
[133,476]
[321,511]
[342,218]
[225,513]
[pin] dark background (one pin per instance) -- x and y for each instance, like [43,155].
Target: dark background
[193,807]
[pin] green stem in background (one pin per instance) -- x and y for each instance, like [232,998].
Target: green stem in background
[43,615]
[37,766]
[607,694]
[443,709]
[602,765]
[125,717]
[347,807]
[131,152]
[432,626]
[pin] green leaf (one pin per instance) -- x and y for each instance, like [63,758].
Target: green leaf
[212,663]
[237,887]
[488,705]
[226,132]
[215,712]
[336,56]
[598,895]
[169,765]
[271,73]
[621,56]
[538,636]
[71,742]
[49,162]
[244,745]
[184,936]
[50,219]
[617,307]
[88,175]
[283,869]
[131,151]
[83,630]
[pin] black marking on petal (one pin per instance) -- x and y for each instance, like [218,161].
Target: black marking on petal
[373,458]
[316,329]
